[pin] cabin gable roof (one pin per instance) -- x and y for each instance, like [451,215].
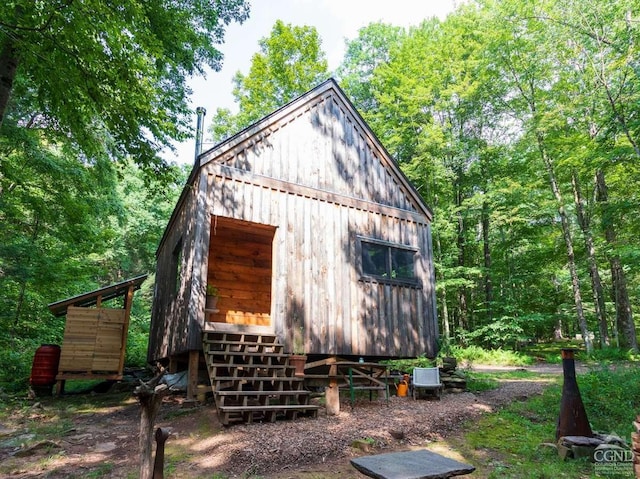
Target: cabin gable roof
[320,140]
[327,108]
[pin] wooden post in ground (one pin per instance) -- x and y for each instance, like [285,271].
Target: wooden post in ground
[158,465]
[149,396]
[635,447]
[192,375]
[173,365]
[332,393]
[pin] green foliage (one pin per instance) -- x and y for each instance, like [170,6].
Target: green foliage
[363,55]
[508,332]
[609,355]
[611,397]
[505,331]
[475,354]
[481,113]
[120,83]
[407,365]
[45,256]
[289,63]
[17,355]
[102,470]
[478,382]
[466,356]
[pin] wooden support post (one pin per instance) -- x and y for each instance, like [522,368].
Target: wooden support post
[332,392]
[192,375]
[172,368]
[128,300]
[635,447]
[60,387]
[158,464]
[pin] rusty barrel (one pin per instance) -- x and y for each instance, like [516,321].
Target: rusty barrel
[45,366]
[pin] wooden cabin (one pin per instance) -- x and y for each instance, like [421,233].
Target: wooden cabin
[310,232]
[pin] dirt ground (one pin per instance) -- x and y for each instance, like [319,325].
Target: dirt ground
[102,440]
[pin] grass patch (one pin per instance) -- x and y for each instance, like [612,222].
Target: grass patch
[509,442]
[545,352]
[478,382]
[499,357]
[466,356]
[176,413]
[101,471]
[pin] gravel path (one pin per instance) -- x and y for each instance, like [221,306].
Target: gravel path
[402,423]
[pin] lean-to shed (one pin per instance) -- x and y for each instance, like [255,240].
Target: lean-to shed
[95,334]
[309,230]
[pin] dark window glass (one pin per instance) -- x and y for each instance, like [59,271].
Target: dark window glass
[385,261]
[402,263]
[374,259]
[176,266]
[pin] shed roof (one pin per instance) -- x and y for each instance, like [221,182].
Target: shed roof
[59,308]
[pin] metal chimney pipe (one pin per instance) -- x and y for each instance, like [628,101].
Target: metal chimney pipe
[573,419]
[201,112]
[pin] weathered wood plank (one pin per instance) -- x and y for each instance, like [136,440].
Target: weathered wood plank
[314,179]
[302,190]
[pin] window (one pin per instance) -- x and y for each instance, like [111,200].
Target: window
[388,261]
[176,268]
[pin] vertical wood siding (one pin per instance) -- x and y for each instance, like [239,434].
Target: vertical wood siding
[314,176]
[171,321]
[322,147]
[316,276]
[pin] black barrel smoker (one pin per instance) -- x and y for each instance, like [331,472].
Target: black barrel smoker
[573,417]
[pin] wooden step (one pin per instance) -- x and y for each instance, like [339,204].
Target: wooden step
[253,367]
[271,407]
[238,346]
[249,379]
[235,342]
[248,414]
[240,338]
[301,392]
[241,366]
[248,354]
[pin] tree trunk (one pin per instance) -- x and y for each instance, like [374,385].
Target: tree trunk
[596,283]
[488,286]
[557,330]
[624,313]
[566,233]
[446,329]
[150,396]
[460,243]
[8,69]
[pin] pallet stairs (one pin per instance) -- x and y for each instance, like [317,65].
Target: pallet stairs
[252,380]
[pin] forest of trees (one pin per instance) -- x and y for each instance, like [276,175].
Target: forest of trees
[518,122]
